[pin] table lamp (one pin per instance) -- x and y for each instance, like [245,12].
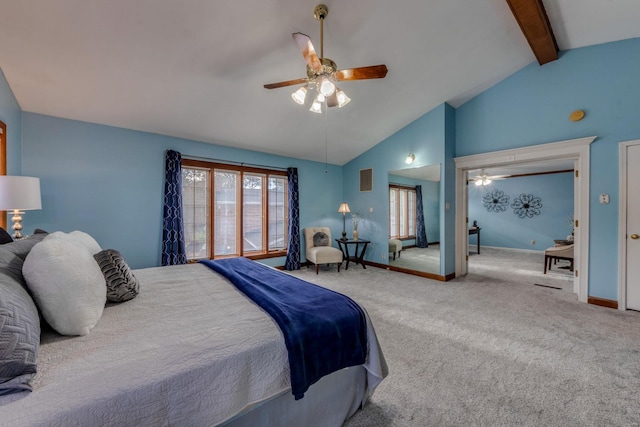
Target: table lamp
[344,210]
[18,194]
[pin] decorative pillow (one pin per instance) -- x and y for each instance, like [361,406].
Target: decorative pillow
[66,283]
[81,238]
[23,246]
[5,237]
[19,327]
[122,285]
[320,239]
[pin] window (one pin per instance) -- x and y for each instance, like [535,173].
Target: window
[233,210]
[402,212]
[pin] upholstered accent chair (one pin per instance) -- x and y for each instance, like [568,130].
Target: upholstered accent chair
[319,249]
[555,253]
[395,246]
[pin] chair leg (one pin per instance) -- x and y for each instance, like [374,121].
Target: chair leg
[546,260]
[394,256]
[399,253]
[317,268]
[339,264]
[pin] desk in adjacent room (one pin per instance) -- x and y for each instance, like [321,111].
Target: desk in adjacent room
[476,230]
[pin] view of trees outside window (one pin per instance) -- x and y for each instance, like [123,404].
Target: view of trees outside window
[249,215]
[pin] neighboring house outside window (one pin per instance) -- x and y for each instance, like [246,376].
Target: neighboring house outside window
[232,210]
[402,212]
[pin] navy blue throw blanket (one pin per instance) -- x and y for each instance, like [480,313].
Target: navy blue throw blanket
[324,331]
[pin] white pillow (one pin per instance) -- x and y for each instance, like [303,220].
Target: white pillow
[81,238]
[66,283]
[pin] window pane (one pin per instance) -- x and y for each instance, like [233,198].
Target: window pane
[195,211]
[392,213]
[226,189]
[403,213]
[412,213]
[252,212]
[278,212]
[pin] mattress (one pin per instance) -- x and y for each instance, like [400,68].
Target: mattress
[189,350]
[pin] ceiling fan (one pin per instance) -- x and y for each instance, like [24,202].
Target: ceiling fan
[485,179]
[322,73]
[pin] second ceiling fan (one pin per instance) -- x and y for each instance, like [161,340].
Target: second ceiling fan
[322,73]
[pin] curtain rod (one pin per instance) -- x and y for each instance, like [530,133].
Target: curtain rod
[210,159]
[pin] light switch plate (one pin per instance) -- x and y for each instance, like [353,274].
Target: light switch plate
[604,199]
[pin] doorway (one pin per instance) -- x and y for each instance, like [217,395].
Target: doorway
[577,150]
[629,230]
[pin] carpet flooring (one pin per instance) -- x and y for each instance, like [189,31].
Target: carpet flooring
[493,349]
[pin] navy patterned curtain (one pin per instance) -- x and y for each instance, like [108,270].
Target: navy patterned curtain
[293,246]
[421,231]
[173,250]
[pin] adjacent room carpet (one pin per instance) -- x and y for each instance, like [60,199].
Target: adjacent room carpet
[493,349]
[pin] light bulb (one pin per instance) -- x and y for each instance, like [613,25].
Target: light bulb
[327,87]
[478,183]
[343,99]
[299,95]
[316,107]
[320,98]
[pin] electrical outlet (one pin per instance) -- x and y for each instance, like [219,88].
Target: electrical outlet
[384,256]
[533,242]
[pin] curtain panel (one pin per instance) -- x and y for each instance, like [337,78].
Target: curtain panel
[421,231]
[293,245]
[173,248]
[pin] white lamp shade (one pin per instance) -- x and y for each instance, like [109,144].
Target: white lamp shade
[19,193]
[344,208]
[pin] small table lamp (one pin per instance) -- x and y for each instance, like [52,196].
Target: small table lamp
[344,210]
[17,194]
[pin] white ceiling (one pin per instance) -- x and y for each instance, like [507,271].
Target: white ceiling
[195,69]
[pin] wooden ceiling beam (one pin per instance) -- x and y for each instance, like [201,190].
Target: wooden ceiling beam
[534,23]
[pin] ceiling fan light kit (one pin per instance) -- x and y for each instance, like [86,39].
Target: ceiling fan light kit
[322,73]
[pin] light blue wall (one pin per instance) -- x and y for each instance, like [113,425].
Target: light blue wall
[11,115]
[533,106]
[425,137]
[109,182]
[430,205]
[507,230]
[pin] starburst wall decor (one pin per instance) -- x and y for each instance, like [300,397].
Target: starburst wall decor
[496,201]
[526,205]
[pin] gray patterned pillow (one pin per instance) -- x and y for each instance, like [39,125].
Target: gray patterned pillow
[320,239]
[19,327]
[122,285]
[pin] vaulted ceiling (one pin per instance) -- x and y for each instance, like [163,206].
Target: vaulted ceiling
[195,69]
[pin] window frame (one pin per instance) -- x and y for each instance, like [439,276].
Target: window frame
[265,174]
[406,218]
[3,165]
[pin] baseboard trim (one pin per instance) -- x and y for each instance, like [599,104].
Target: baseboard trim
[603,302]
[412,272]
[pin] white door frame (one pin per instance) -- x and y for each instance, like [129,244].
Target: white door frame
[622,221]
[575,149]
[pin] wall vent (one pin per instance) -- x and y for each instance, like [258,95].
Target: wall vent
[366,179]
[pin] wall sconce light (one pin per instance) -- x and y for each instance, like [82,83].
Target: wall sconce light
[410,158]
[344,210]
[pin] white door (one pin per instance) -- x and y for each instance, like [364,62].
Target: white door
[633,227]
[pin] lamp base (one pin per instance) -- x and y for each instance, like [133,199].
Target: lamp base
[344,235]
[17,224]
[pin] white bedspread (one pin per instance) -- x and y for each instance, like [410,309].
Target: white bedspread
[189,350]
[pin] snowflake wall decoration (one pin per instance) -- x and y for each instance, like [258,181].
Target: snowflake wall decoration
[496,201]
[526,205]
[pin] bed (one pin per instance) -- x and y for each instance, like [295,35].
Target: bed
[189,349]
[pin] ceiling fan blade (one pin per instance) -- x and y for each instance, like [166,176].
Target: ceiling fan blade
[362,73]
[306,47]
[287,83]
[332,100]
